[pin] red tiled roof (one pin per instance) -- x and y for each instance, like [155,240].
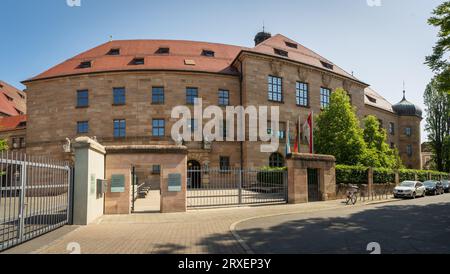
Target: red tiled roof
[130,49]
[11,102]
[180,51]
[300,54]
[11,123]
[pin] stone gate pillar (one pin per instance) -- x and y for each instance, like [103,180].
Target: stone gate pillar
[298,165]
[89,168]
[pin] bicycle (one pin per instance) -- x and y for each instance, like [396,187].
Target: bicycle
[352,195]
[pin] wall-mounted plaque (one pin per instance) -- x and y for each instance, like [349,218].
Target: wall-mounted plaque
[117,183]
[174,182]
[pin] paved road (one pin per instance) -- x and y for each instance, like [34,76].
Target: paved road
[409,226]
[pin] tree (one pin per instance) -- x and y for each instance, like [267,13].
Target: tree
[338,131]
[438,61]
[3,145]
[437,121]
[379,154]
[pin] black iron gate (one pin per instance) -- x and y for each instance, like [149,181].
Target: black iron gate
[313,185]
[35,197]
[233,187]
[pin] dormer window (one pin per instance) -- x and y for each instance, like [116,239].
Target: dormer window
[22,124]
[138,61]
[21,95]
[18,111]
[115,51]
[291,45]
[208,53]
[327,65]
[9,98]
[281,52]
[371,99]
[85,64]
[189,62]
[163,51]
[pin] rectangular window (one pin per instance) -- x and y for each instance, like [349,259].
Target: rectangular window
[224,163]
[224,98]
[193,124]
[191,95]
[275,91]
[158,95]
[392,128]
[408,131]
[119,96]
[22,142]
[302,94]
[409,150]
[15,144]
[82,98]
[83,127]
[120,128]
[156,169]
[325,94]
[158,127]
[224,129]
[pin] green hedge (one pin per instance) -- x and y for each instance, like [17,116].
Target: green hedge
[383,175]
[271,177]
[351,174]
[359,175]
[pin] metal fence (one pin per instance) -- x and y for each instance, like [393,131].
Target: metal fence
[34,197]
[215,188]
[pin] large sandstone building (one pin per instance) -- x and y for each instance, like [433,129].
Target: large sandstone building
[123,92]
[13,116]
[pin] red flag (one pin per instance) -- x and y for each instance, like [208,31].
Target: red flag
[308,132]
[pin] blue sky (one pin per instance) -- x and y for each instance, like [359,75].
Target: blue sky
[382,45]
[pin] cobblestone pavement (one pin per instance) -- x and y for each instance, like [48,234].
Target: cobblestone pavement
[194,232]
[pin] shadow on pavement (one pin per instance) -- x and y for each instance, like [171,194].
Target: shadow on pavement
[397,228]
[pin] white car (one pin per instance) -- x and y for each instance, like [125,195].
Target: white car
[410,189]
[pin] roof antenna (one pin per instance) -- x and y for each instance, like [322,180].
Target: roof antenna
[264,26]
[110,38]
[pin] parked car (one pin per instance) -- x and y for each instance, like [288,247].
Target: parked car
[434,187]
[446,185]
[410,189]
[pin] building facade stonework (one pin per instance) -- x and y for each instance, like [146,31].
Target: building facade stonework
[219,74]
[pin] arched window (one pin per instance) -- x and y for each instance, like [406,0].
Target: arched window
[276,160]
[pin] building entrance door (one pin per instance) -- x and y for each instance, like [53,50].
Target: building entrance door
[313,185]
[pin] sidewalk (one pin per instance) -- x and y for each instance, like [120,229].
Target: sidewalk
[194,232]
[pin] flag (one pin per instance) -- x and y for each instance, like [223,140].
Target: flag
[297,136]
[288,140]
[308,132]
